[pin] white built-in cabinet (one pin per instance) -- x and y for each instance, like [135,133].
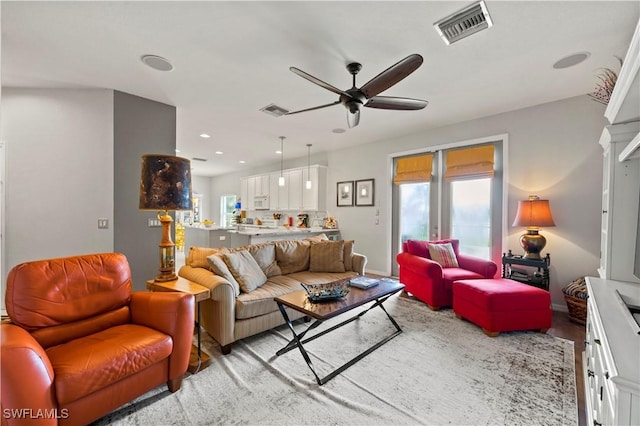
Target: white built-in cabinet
[611,363]
[294,195]
[620,189]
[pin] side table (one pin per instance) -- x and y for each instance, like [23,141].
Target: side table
[198,360]
[540,278]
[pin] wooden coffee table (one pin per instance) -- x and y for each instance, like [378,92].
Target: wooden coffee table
[322,311]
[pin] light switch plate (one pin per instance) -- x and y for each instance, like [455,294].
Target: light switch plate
[103,223]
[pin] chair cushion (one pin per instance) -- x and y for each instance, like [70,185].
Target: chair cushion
[88,364]
[85,285]
[450,275]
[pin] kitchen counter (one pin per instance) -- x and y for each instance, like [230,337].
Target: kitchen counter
[215,236]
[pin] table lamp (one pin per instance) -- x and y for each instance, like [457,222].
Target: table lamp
[165,184]
[533,213]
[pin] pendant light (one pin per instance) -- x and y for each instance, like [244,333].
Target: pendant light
[308,184]
[281,178]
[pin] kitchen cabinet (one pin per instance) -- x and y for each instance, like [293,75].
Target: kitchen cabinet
[293,195]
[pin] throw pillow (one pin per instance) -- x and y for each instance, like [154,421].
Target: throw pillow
[245,270]
[348,255]
[418,248]
[444,255]
[292,255]
[326,256]
[319,237]
[197,257]
[265,256]
[220,268]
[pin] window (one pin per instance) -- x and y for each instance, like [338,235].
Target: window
[462,199]
[227,206]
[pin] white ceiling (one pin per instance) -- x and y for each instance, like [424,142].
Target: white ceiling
[232,58]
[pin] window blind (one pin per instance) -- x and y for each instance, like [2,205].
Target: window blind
[413,169]
[469,163]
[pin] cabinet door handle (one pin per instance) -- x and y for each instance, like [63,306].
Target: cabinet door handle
[606,374]
[586,342]
[597,341]
[590,373]
[595,423]
[601,389]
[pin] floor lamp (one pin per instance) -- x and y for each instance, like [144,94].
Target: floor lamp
[165,185]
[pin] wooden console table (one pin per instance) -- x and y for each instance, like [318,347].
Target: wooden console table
[198,360]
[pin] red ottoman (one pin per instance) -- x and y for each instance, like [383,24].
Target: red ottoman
[502,305]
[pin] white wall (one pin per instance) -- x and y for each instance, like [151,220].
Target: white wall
[553,153]
[59,149]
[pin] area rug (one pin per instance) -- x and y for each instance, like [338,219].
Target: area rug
[440,370]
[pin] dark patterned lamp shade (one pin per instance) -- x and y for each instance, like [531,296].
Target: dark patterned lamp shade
[165,184]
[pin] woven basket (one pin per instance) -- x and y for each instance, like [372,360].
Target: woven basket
[577,305]
[577,308]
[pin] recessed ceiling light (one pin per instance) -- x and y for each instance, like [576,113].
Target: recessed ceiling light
[242,161]
[338,130]
[571,60]
[177,150]
[156,62]
[278,152]
[204,135]
[219,152]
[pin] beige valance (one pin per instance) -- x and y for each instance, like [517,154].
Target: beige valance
[469,163]
[413,169]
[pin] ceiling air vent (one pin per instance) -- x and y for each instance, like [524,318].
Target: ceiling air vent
[275,110]
[199,159]
[463,23]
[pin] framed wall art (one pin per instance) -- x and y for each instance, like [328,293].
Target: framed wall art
[345,194]
[365,192]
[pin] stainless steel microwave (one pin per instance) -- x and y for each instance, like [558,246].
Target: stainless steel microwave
[261,202]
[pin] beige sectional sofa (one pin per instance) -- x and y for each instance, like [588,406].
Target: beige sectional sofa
[244,280]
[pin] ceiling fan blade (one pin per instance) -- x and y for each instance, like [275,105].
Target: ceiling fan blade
[319,82]
[390,102]
[353,118]
[391,75]
[312,108]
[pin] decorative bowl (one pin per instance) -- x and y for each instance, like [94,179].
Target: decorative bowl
[329,291]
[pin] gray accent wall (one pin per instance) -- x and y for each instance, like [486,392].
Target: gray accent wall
[140,126]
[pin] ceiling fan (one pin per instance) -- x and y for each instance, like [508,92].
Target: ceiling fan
[354,98]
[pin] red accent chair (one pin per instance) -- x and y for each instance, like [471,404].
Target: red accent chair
[80,343]
[430,282]
[501,304]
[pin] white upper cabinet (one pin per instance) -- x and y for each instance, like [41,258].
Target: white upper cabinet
[294,195]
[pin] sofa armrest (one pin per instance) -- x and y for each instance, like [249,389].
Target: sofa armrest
[26,375]
[420,265]
[171,313]
[218,312]
[359,262]
[486,268]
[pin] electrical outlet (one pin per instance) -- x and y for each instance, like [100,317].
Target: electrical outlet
[154,223]
[103,223]
[223,237]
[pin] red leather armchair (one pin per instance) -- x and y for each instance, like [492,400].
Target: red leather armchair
[81,343]
[430,282]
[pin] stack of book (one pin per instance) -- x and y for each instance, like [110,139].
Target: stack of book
[364,282]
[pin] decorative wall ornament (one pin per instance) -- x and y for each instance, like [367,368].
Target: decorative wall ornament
[344,192]
[604,88]
[365,192]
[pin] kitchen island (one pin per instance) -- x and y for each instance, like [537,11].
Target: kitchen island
[249,234]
